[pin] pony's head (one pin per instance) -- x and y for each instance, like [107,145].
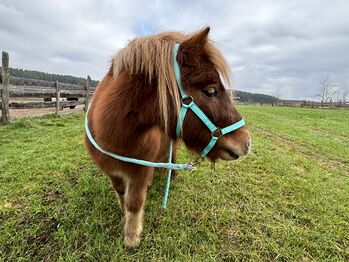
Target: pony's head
[150,60]
[202,70]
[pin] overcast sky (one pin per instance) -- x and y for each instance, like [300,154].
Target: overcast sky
[270,45]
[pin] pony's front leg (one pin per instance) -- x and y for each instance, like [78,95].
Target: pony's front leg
[134,202]
[119,186]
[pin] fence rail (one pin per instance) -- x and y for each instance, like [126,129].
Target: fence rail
[312,104]
[20,87]
[42,92]
[31,105]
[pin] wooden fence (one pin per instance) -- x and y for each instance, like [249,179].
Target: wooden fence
[66,95]
[312,104]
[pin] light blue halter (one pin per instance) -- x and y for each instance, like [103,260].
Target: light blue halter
[215,133]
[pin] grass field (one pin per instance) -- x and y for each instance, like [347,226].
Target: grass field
[287,201]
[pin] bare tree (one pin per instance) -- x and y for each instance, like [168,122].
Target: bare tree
[344,96]
[325,90]
[277,93]
[341,95]
[337,94]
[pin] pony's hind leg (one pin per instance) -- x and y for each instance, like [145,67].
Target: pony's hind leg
[134,202]
[120,188]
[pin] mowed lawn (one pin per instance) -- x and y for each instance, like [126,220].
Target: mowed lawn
[287,201]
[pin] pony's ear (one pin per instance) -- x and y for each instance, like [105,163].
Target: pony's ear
[198,39]
[192,47]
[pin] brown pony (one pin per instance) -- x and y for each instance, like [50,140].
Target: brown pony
[135,109]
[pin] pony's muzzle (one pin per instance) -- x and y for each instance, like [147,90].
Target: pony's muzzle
[235,145]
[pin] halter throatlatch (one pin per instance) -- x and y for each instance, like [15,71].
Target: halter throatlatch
[187,103]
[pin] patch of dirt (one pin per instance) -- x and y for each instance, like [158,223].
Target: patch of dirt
[48,226]
[73,180]
[38,238]
[19,113]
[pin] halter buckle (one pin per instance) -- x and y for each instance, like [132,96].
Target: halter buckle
[187,100]
[217,133]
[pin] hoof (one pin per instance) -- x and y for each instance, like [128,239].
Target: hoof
[132,240]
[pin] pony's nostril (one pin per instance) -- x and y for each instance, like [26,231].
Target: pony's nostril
[233,154]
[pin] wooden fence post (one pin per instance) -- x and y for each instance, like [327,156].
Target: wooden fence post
[87,96]
[5,111]
[57,97]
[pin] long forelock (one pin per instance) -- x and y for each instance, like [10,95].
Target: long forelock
[152,56]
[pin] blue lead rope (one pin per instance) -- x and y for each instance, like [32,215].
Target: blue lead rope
[168,165]
[169,173]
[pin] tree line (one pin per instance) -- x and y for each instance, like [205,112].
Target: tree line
[49,77]
[247,97]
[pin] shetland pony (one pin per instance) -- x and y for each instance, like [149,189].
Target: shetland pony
[135,109]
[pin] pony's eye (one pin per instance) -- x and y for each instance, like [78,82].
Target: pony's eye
[211,91]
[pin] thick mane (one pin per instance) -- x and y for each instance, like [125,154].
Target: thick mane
[152,56]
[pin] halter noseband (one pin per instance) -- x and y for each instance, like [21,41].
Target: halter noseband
[188,103]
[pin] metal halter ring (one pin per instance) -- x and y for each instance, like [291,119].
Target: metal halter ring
[217,133]
[187,100]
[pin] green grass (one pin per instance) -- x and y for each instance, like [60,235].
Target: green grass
[287,201]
